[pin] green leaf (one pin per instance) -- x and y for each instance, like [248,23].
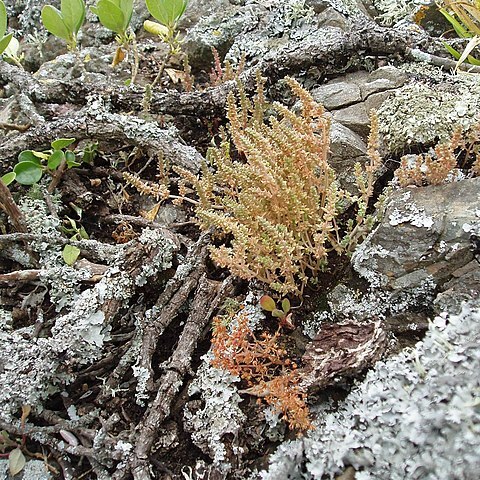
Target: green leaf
[27,173]
[62,143]
[71,159]
[4,42]
[278,313]
[28,156]
[53,21]
[89,152]
[83,233]
[167,12]
[73,12]
[267,303]
[456,54]
[460,30]
[55,159]
[16,461]
[8,178]
[70,254]
[111,16]
[286,305]
[126,6]
[3,19]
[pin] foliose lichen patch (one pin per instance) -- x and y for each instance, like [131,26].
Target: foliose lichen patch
[419,114]
[412,417]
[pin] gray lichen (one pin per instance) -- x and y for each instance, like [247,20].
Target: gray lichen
[33,368]
[414,416]
[420,114]
[394,11]
[219,416]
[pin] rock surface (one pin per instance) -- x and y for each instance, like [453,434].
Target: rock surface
[425,233]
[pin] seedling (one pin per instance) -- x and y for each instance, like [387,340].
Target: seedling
[283,315]
[116,15]
[66,22]
[32,164]
[4,39]
[70,253]
[168,13]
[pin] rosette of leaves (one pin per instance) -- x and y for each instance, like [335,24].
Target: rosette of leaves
[66,22]
[116,15]
[283,313]
[464,16]
[4,39]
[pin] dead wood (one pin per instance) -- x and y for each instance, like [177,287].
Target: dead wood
[208,297]
[342,351]
[97,123]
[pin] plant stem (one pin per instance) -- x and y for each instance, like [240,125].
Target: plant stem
[162,68]
[136,60]
[57,176]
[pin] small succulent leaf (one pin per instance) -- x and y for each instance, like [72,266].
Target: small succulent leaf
[166,12]
[278,313]
[41,155]
[27,173]
[52,20]
[73,224]
[73,12]
[55,159]
[70,254]
[16,461]
[62,143]
[286,305]
[89,152]
[28,156]
[4,42]
[71,159]
[26,409]
[8,178]
[267,303]
[111,16]
[3,19]
[155,28]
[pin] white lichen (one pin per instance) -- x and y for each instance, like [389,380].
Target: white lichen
[423,114]
[220,415]
[414,416]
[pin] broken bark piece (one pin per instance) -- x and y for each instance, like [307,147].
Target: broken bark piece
[341,351]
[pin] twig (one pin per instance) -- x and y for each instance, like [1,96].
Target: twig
[208,296]
[7,203]
[447,63]
[57,176]
[14,126]
[169,302]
